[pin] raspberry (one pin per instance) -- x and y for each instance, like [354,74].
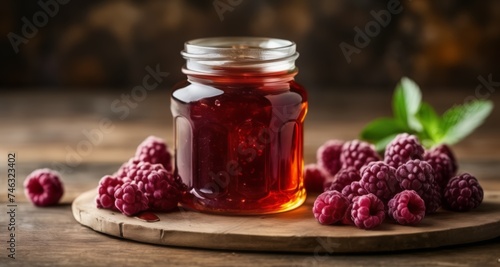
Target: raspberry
[159,187]
[353,190]
[154,150]
[123,171]
[314,178]
[367,211]
[357,154]
[379,179]
[106,192]
[416,175]
[432,199]
[344,178]
[445,149]
[330,207]
[442,166]
[407,208]
[463,193]
[328,156]
[136,172]
[130,200]
[402,148]
[43,187]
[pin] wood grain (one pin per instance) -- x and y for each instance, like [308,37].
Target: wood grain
[294,231]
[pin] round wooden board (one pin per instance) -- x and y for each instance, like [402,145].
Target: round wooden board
[294,231]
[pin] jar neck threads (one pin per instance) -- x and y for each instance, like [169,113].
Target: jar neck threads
[248,58]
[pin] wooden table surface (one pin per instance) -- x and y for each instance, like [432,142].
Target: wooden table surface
[46,128]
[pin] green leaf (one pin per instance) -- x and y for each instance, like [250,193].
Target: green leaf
[382,143]
[380,129]
[406,104]
[461,120]
[430,122]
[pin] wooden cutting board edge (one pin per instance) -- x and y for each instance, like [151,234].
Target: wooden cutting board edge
[118,225]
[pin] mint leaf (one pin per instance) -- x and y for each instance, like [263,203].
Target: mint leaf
[430,121]
[380,129]
[461,120]
[406,104]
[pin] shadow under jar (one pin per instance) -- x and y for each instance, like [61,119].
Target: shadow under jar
[238,121]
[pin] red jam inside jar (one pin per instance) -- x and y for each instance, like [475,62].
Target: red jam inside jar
[238,121]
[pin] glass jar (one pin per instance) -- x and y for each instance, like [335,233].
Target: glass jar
[238,121]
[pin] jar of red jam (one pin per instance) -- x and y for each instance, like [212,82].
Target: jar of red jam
[238,120]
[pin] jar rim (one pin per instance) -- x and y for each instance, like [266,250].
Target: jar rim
[253,54]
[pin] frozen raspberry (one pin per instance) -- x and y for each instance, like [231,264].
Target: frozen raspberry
[442,166]
[330,207]
[402,148]
[136,172]
[314,178]
[432,199]
[154,150]
[344,178]
[353,190]
[43,187]
[357,154]
[106,192]
[379,179]
[123,171]
[416,175]
[463,193]
[367,211]
[328,156]
[130,200]
[407,208]
[160,189]
[443,148]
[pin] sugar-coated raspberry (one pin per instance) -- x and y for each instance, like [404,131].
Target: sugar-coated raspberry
[433,199]
[344,178]
[160,188]
[357,154]
[415,175]
[445,149]
[330,207]
[353,190]
[402,148]
[106,192]
[407,208]
[463,193]
[442,166]
[154,150]
[43,187]
[379,179]
[328,156]
[314,178]
[129,200]
[136,172]
[368,211]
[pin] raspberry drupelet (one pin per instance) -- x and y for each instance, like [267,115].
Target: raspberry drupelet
[416,175]
[407,208]
[328,156]
[330,207]
[463,193]
[442,165]
[159,187]
[357,154]
[43,187]
[353,190]
[402,148]
[368,211]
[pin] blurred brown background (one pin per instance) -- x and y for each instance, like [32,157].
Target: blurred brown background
[107,44]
